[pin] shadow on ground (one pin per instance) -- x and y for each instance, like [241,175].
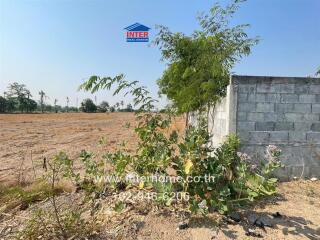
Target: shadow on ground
[259,224]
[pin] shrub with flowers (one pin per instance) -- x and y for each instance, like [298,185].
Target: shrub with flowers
[219,179]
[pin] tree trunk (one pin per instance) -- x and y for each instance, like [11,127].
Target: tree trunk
[187,119]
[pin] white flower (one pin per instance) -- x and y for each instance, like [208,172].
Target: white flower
[203,204]
[243,156]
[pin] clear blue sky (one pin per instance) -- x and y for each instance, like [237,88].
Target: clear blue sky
[55,44]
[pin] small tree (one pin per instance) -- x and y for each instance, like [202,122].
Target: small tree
[88,106]
[318,72]
[199,65]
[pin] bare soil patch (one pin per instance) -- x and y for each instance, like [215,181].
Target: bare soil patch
[26,139]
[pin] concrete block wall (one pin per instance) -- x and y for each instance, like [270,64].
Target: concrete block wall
[219,121]
[283,111]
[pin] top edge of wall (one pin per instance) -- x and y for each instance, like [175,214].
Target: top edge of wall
[272,79]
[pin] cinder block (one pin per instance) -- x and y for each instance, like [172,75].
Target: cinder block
[313,137]
[254,116]
[297,171]
[293,117]
[259,137]
[312,171]
[289,98]
[251,97]
[315,108]
[282,117]
[287,88]
[284,126]
[315,127]
[284,107]
[260,97]
[242,116]
[265,107]
[302,108]
[245,126]
[270,117]
[244,136]
[313,117]
[246,107]
[315,89]
[279,137]
[302,88]
[272,97]
[242,97]
[307,98]
[318,98]
[302,126]
[247,88]
[268,88]
[265,126]
[297,136]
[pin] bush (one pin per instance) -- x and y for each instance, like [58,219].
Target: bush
[234,179]
[228,178]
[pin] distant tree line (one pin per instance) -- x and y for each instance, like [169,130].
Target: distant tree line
[18,98]
[87,105]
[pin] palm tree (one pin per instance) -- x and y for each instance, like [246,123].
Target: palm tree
[42,98]
[117,106]
[55,104]
[68,100]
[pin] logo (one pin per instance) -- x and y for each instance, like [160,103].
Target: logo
[137,33]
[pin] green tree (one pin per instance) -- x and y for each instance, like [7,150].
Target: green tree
[19,94]
[31,105]
[199,65]
[3,104]
[318,72]
[116,106]
[103,107]
[112,109]
[12,104]
[129,108]
[88,106]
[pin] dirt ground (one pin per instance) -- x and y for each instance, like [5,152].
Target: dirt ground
[26,139]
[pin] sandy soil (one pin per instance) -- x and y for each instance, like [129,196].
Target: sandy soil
[298,202]
[25,139]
